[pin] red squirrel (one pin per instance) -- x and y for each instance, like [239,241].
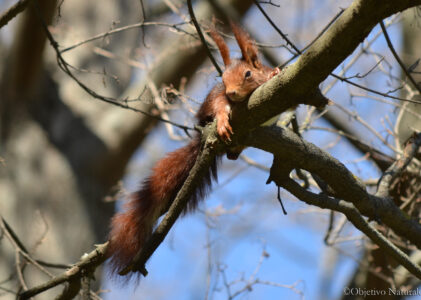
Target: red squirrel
[130,229]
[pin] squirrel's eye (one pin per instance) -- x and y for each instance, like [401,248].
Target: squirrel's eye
[248,74]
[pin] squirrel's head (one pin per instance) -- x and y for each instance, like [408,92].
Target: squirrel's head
[241,76]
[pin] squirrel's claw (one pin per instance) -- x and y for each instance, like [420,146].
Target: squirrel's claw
[275,72]
[224,129]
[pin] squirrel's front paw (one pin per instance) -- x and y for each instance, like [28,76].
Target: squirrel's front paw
[275,72]
[224,129]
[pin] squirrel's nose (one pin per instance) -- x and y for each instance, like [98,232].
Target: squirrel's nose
[231,94]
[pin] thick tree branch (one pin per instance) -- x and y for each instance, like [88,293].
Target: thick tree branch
[356,219]
[295,152]
[298,82]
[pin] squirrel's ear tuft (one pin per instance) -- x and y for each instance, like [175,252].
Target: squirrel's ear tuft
[247,46]
[222,46]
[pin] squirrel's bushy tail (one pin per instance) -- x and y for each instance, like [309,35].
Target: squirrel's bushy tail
[131,228]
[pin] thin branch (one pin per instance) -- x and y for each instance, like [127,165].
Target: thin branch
[284,36]
[382,160]
[356,219]
[398,167]
[305,75]
[344,129]
[392,49]
[253,163]
[22,248]
[64,66]
[86,285]
[89,261]
[6,228]
[373,91]
[202,38]
[13,11]
[121,29]
[143,20]
[316,38]
[269,2]
[71,289]
[333,20]
[359,76]
[369,127]
[299,52]
[329,228]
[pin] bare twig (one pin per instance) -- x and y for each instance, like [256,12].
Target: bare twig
[382,160]
[395,54]
[143,20]
[121,29]
[299,52]
[21,249]
[284,36]
[387,95]
[356,219]
[398,167]
[202,38]
[316,38]
[62,63]
[13,11]
[269,2]
[88,261]
[329,227]
[252,280]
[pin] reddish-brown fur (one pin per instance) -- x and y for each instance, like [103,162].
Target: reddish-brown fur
[131,228]
[223,48]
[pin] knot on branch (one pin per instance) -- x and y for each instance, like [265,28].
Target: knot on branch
[315,98]
[279,171]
